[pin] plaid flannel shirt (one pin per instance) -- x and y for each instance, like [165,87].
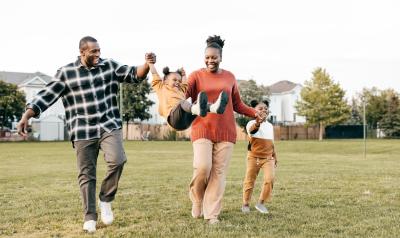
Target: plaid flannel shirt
[89,96]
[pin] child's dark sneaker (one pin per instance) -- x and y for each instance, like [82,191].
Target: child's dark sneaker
[220,104]
[200,107]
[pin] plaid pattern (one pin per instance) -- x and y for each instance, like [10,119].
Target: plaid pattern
[89,96]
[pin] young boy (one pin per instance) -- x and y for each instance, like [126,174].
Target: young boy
[180,113]
[261,155]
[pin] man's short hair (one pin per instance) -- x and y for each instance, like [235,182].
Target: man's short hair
[83,42]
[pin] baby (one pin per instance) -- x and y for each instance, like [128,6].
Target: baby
[173,105]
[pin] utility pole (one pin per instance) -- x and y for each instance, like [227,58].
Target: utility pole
[364,130]
[121,107]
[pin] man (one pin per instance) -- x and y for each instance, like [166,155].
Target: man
[88,88]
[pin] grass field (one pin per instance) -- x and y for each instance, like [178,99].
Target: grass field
[323,189]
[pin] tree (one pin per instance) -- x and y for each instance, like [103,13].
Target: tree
[390,122]
[375,105]
[322,101]
[135,101]
[356,117]
[12,103]
[249,90]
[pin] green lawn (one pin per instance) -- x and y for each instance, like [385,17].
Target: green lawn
[323,189]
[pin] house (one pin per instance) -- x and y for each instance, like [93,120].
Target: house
[283,97]
[31,84]
[48,128]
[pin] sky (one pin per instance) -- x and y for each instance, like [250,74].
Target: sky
[356,41]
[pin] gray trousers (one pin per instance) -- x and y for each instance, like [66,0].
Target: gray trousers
[87,152]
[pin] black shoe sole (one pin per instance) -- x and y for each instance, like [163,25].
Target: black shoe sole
[223,103]
[203,100]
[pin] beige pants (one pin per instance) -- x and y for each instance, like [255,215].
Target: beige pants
[210,165]
[253,168]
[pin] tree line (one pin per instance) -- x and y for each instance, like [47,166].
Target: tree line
[322,103]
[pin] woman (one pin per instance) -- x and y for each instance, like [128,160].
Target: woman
[213,136]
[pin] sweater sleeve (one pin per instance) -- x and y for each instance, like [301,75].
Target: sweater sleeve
[238,105]
[156,82]
[183,87]
[252,127]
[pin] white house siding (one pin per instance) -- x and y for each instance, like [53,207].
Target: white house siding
[153,110]
[56,109]
[48,128]
[31,84]
[282,106]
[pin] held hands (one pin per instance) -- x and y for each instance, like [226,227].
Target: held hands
[260,117]
[150,58]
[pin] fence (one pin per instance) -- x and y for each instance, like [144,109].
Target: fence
[137,131]
[296,132]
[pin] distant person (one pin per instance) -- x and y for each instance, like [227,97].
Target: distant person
[178,112]
[88,88]
[213,136]
[261,155]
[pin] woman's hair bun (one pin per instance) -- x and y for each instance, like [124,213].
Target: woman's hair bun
[211,40]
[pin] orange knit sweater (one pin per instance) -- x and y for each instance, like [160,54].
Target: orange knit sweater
[216,127]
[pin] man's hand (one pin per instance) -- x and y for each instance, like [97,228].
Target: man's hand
[150,58]
[23,123]
[142,70]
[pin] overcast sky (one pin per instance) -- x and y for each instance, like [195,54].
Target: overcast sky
[356,41]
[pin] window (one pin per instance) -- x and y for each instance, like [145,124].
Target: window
[273,119]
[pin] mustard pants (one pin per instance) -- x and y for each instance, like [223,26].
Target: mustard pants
[253,168]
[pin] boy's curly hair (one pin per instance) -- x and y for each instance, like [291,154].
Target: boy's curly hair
[254,103]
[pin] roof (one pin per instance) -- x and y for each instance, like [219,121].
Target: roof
[282,86]
[18,78]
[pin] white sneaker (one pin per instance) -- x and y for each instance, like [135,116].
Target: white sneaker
[220,104]
[107,215]
[261,208]
[213,221]
[245,209]
[89,226]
